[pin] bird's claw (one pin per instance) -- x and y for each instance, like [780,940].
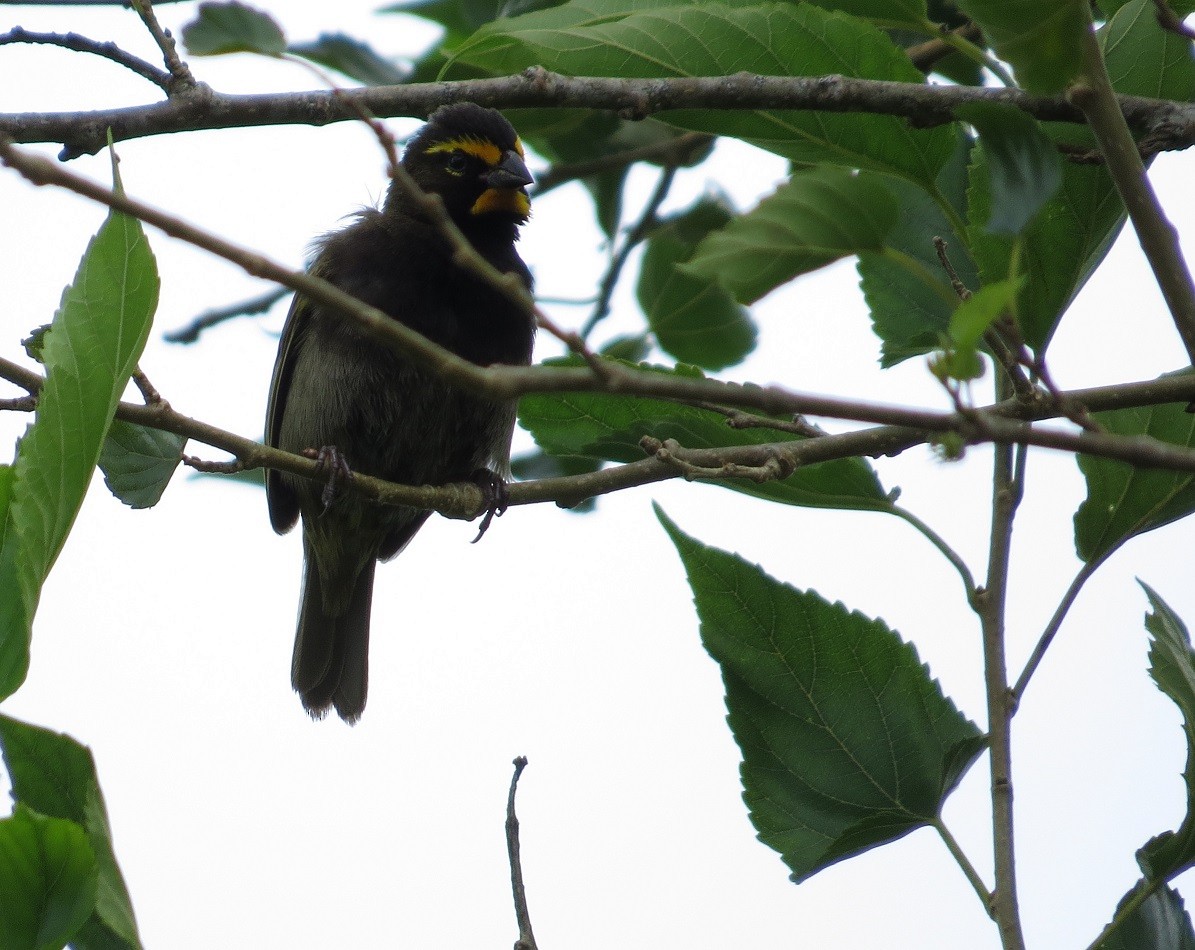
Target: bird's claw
[330,461]
[493,491]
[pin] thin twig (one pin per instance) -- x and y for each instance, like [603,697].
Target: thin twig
[190,332]
[679,151]
[82,44]
[148,392]
[180,73]
[526,939]
[634,236]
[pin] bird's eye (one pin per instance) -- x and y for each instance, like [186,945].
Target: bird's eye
[457,162]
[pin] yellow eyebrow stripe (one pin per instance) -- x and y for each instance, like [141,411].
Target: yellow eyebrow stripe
[487,151]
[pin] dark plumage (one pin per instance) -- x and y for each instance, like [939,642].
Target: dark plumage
[333,388]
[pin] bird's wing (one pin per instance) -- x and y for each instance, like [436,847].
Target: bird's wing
[282,500]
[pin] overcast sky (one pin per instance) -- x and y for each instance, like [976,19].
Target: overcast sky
[163,639]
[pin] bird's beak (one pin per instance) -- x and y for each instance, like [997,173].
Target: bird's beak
[510,173]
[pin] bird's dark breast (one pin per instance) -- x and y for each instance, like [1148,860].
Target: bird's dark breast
[387,416]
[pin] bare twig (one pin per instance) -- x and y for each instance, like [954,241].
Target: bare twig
[635,236]
[82,44]
[190,332]
[180,73]
[679,151]
[151,396]
[526,939]
[1171,123]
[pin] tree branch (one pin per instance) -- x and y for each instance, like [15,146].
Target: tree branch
[1006,496]
[1158,237]
[1171,123]
[82,44]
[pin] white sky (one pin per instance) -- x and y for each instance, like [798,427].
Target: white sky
[163,639]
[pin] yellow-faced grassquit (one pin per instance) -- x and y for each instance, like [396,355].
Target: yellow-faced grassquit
[361,405]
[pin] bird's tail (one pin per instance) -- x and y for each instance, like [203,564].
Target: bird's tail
[330,666]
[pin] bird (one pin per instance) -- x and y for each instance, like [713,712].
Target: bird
[361,407]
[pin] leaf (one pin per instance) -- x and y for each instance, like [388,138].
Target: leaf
[1042,41]
[54,775]
[908,312]
[691,315]
[968,324]
[1145,60]
[1059,249]
[47,881]
[847,742]
[816,217]
[889,12]
[1159,923]
[351,57]
[1172,667]
[233,28]
[138,462]
[1022,162]
[651,38]
[1124,500]
[96,339]
[610,428]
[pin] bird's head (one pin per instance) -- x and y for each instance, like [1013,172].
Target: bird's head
[471,157]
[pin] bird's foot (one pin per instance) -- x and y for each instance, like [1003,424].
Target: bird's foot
[497,499]
[330,462]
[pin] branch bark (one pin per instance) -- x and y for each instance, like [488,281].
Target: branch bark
[201,108]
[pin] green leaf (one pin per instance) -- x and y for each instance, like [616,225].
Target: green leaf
[1143,59]
[649,39]
[1042,41]
[888,12]
[610,428]
[1172,667]
[1124,500]
[54,775]
[97,337]
[968,324]
[1059,249]
[692,316]
[1022,162]
[233,28]
[816,217]
[351,57]
[47,881]
[847,742]
[910,313]
[1160,922]
[138,462]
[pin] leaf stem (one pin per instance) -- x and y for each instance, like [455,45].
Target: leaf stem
[1047,636]
[964,863]
[947,551]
